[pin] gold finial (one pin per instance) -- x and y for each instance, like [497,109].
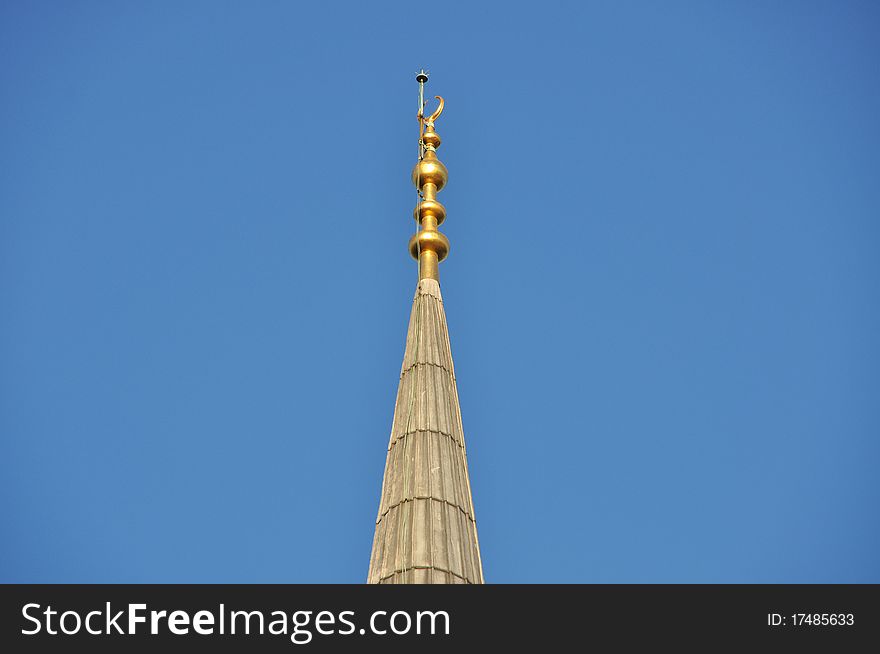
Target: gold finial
[428,246]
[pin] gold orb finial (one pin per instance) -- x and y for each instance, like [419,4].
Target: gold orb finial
[428,246]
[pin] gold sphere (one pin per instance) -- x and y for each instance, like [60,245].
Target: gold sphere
[431,138]
[430,208]
[429,240]
[430,170]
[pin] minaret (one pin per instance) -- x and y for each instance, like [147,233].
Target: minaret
[426,532]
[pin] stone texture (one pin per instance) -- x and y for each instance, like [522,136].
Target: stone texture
[425,531]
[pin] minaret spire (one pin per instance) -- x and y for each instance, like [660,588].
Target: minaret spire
[428,246]
[425,531]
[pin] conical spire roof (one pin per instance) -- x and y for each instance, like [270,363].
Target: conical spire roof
[425,531]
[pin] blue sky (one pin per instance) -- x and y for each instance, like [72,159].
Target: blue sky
[662,291]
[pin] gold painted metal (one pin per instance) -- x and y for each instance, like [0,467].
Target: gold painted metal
[430,207]
[428,245]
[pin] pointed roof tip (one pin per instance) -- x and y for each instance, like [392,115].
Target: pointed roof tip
[429,286]
[425,530]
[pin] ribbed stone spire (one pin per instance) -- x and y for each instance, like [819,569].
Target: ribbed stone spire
[425,531]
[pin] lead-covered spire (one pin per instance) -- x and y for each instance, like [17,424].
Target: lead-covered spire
[426,531]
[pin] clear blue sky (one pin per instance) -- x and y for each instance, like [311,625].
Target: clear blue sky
[662,291]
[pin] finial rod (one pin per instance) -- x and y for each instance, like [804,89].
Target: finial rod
[421,78]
